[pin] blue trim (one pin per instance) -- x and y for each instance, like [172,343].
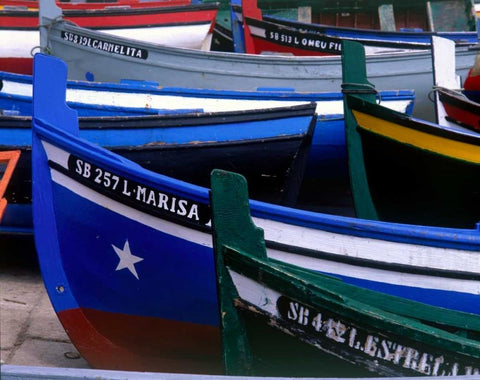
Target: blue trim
[434,236]
[134,86]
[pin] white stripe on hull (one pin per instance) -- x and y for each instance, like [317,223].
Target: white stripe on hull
[185,36]
[342,245]
[378,275]
[371,249]
[61,157]
[171,102]
[19,43]
[255,293]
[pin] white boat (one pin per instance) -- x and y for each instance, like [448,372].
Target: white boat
[91,55]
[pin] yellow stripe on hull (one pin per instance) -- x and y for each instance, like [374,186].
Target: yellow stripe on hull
[421,140]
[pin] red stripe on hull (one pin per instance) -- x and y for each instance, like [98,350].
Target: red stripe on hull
[134,343]
[462,116]
[126,19]
[19,22]
[99,5]
[17,65]
[260,46]
[152,19]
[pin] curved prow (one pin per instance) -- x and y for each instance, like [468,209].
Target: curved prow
[249,9]
[233,230]
[354,71]
[236,21]
[355,82]
[232,224]
[48,12]
[49,92]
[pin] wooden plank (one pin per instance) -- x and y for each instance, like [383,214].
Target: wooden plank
[386,17]
[305,14]
[448,16]
[444,75]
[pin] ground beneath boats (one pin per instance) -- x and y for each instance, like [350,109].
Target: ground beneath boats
[30,332]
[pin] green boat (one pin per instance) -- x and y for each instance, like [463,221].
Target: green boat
[404,169]
[281,320]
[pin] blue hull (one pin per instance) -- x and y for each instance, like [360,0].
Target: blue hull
[121,246]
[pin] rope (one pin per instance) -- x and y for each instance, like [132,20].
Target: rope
[362,88]
[48,26]
[437,88]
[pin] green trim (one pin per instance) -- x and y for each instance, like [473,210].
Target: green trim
[317,290]
[393,304]
[240,245]
[231,221]
[354,73]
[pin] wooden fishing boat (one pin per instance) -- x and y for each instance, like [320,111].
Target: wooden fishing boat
[326,164]
[182,25]
[228,71]
[404,169]
[267,34]
[282,320]
[327,158]
[33,4]
[460,109]
[451,101]
[150,301]
[373,15]
[270,146]
[8,161]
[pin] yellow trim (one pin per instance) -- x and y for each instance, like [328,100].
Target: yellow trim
[436,144]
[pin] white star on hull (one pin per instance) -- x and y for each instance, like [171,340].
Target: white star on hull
[127,260]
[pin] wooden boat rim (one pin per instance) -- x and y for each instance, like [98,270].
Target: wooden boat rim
[228,56]
[467,239]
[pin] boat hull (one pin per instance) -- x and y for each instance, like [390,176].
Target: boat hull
[187,26]
[412,178]
[460,109]
[270,146]
[240,72]
[326,164]
[95,231]
[117,241]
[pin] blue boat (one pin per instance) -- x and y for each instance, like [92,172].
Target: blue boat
[103,107]
[270,146]
[127,260]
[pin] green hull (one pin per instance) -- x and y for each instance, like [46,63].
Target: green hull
[279,319]
[413,186]
[403,169]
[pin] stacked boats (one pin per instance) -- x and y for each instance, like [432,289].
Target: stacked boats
[171,22]
[149,270]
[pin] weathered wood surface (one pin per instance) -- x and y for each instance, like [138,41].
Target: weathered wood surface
[330,321]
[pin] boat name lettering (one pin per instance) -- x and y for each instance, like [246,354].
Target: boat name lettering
[325,324]
[134,193]
[106,46]
[325,44]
